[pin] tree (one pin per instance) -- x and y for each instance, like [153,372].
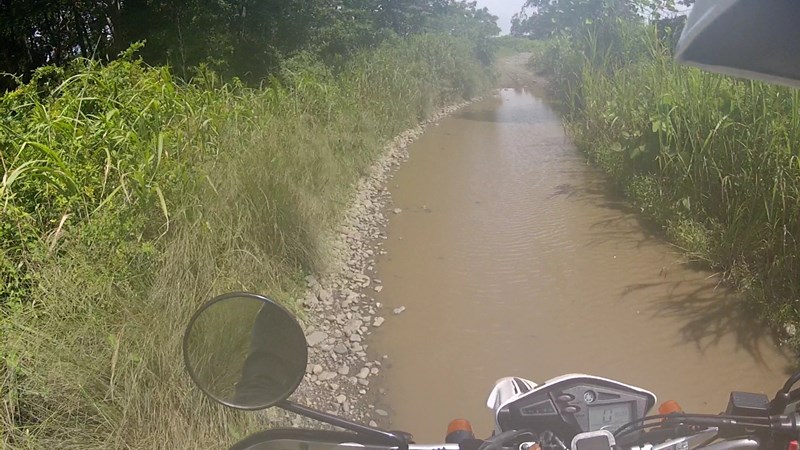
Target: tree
[39,32]
[548,17]
[465,19]
[544,18]
[245,38]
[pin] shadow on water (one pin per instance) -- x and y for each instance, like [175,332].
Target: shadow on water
[616,227]
[709,312]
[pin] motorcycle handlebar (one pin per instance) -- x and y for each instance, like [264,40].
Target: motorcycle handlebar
[734,444]
[786,425]
[434,447]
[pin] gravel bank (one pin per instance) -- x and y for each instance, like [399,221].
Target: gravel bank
[341,376]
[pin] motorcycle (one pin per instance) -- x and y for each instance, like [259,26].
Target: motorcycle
[247,352]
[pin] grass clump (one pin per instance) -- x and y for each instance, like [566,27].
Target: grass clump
[712,158]
[129,198]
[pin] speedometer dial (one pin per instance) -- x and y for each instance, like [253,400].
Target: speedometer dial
[589,397]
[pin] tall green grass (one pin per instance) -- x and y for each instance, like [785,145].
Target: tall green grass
[128,198]
[714,159]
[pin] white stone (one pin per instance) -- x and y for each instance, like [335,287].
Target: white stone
[316,338]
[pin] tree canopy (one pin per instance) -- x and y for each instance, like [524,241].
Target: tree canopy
[544,18]
[245,38]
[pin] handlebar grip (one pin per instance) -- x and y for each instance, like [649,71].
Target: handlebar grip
[787,424]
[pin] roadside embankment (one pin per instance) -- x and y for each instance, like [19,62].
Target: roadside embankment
[131,198]
[341,310]
[710,158]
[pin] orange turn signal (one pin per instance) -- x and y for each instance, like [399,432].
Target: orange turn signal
[670,407]
[458,431]
[459,425]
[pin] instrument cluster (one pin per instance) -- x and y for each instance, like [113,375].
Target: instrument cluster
[575,404]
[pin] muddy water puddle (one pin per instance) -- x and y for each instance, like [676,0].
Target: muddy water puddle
[512,258]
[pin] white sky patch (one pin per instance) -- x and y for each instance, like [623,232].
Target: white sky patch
[503,9]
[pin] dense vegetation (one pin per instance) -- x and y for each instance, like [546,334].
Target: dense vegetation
[541,19]
[129,196]
[711,158]
[245,38]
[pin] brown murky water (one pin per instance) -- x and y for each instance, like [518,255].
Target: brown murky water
[512,258]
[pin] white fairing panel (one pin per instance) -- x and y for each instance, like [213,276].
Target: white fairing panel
[505,391]
[510,389]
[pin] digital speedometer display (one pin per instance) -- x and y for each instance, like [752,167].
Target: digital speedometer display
[610,416]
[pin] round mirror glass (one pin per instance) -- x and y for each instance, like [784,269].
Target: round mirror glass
[245,351]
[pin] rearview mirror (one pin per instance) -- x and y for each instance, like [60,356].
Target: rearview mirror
[245,351]
[744,38]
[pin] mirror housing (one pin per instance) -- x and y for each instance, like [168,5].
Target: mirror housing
[744,38]
[245,351]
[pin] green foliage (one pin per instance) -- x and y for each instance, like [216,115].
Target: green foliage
[712,158]
[75,140]
[41,32]
[464,19]
[542,19]
[129,198]
[247,39]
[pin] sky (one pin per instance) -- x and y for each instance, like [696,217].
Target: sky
[503,9]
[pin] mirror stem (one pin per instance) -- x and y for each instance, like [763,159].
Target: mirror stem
[343,423]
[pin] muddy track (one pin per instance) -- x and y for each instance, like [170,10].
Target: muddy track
[343,376]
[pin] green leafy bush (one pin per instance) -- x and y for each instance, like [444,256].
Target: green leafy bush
[129,198]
